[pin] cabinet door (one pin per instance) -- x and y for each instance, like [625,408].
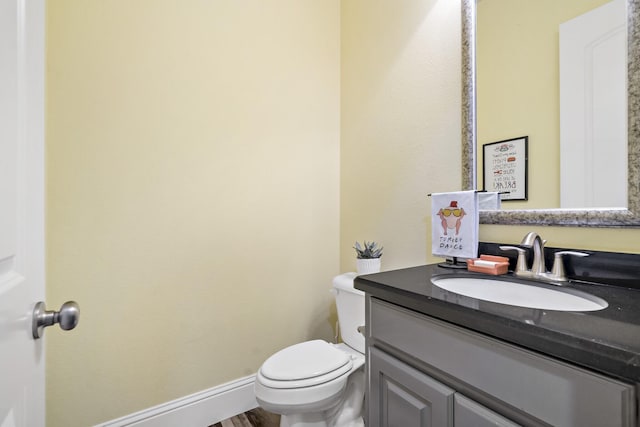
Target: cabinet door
[401,396]
[469,413]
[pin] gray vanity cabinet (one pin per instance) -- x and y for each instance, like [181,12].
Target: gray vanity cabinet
[425,372]
[468,413]
[403,396]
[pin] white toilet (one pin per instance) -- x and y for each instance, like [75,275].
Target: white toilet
[315,383]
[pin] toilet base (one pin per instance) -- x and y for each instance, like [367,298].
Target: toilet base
[303,420]
[347,414]
[315,420]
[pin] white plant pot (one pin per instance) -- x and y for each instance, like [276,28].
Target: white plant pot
[368,266]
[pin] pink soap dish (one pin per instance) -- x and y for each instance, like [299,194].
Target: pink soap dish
[501,266]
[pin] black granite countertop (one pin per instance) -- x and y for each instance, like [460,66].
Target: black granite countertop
[606,341]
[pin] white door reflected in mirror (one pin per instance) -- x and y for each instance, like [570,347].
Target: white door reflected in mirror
[593,108]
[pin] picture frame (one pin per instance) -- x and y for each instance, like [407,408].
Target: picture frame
[505,168]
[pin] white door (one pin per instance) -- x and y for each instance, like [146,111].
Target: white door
[593,109]
[21,210]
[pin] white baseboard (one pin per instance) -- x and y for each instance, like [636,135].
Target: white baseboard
[200,409]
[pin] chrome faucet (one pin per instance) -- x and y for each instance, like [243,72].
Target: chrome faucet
[538,266]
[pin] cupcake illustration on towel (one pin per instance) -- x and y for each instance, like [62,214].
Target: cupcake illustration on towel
[451,217]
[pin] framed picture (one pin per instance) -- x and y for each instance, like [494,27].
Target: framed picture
[504,168]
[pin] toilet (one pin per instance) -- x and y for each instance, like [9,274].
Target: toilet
[316,383]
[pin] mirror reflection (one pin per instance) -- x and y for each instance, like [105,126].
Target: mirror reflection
[555,72]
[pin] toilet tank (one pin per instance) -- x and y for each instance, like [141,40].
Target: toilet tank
[350,304]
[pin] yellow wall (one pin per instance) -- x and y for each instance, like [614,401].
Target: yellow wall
[597,239]
[400,136]
[193,193]
[517,41]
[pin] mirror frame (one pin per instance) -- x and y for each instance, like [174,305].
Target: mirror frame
[588,217]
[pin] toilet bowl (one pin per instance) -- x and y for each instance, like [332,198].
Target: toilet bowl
[316,383]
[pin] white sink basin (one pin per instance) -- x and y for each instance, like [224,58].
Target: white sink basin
[520,294]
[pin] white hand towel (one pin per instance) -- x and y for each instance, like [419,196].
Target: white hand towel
[489,201]
[454,224]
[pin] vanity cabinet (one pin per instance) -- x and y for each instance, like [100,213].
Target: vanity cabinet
[404,396]
[426,372]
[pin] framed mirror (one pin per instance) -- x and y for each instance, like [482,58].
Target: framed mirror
[628,216]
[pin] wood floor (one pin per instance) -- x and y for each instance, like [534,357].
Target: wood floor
[255,418]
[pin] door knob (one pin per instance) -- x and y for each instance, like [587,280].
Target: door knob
[68,317]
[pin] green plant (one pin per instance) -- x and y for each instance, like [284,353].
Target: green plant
[369,251]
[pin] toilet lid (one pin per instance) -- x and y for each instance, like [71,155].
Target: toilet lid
[306,360]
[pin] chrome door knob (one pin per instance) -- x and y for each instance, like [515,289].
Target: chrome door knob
[68,317]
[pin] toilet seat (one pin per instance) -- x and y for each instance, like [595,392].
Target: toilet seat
[307,395]
[304,365]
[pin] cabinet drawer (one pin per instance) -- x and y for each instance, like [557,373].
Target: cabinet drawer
[552,391]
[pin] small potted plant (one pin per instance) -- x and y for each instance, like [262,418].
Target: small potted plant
[368,257]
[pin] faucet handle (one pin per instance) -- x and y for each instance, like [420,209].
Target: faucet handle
[558,273]
[521,263]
